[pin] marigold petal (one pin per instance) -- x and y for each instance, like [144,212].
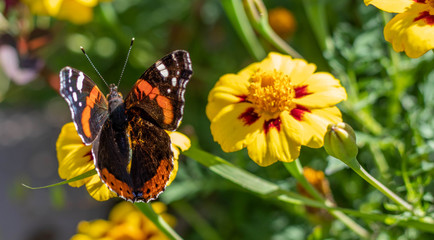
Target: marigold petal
[120,211]
[52,6]
[275,145]
[227,90]
[298,70]
[94,229]
[324,91]
[98,190]
[180,141]
[406,34]
[174,170]
[315,125]
[75,12]
[246,72]
[394,6]
[230,131]
[88,3]
[73,156]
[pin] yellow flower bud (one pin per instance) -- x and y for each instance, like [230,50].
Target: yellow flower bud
[340,142]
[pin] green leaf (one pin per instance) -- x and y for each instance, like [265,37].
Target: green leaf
[146,209]
[74,179]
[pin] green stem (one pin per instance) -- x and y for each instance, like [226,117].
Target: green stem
[354,164]
[296,171]
[259,17]
[236,14]
[272,191]
[146,209]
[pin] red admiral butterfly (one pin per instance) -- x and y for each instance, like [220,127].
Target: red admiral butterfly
[132,152]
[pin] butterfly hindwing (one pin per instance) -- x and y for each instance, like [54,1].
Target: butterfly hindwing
[144,174]
[87,104]
[160,90]
[152,156]
[112,160]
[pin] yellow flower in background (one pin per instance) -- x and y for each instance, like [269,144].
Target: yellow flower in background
[75,11]
[273,107]
[125,221]
[412,29]
[75,158]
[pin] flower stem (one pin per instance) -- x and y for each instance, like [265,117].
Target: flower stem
[259,16]
[355,165]
[296,171]
[236,14]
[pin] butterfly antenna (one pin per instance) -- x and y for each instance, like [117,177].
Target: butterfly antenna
[91,63]
[126,60]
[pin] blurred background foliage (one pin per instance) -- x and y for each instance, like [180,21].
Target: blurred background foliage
[390,105]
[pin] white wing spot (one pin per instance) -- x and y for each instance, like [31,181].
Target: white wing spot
[80,81]
[174,82]
[169,90]
[74,96]
[162,68]
[70,72]
[80,104]
[70,89]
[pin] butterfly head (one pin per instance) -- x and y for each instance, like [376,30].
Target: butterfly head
[114,98]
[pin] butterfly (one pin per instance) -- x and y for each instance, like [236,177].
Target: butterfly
[131,150]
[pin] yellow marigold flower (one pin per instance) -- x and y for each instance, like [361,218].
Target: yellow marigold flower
[412,29]
[75,158]
[273,107]
[125,222]
[75,11]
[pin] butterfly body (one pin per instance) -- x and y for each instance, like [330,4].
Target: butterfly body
[131,149]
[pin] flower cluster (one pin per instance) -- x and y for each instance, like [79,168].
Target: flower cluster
[124,222]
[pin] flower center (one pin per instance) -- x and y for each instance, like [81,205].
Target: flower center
[271,92]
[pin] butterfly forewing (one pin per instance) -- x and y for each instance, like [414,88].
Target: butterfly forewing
[87,104]
[160,90]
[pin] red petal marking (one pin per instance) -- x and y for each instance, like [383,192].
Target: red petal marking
[301,91]
[420,1]
[298,112]
[276,122]
[249,116]
[243,98]
[429,19]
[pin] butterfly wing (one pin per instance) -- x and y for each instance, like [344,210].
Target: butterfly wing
[160,90]
[143,175]
[152,156]
[112,160]
[89,107]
